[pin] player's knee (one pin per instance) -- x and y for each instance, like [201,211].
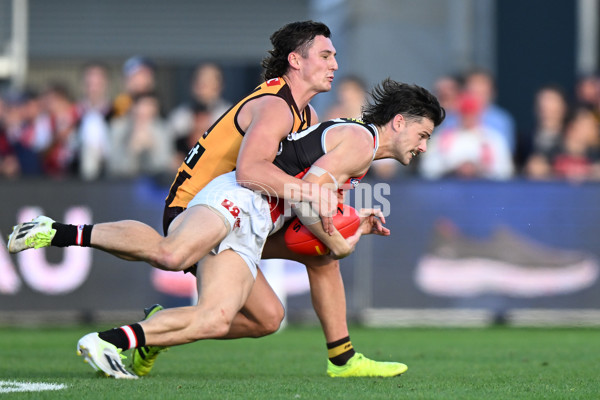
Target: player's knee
[273,323]
[271,320]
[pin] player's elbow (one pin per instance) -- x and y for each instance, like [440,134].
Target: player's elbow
[242,172]
[242,178]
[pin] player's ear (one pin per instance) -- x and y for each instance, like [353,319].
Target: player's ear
[399,121]
[293,60]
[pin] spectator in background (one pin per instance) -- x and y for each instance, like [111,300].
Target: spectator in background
[202,119]
[95,89]
[481,84]
[38,120]
[27,129]
[95,110]
[551,111]
[472,150]
[9,163]
[447,89]
[141,143]
[207,90]
[139,75]
[587,93]
[351,96]
[578,158]
[61,158]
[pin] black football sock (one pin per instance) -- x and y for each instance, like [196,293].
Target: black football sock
[340,351]
[71,235]
[126,337]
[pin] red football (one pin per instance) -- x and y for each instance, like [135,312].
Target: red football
[300,240]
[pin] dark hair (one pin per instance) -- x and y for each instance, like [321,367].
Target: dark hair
[199,107]
[390,98]
[60,89]
[148,94]
[296,36]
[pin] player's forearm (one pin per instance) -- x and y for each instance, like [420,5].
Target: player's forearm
[266,178]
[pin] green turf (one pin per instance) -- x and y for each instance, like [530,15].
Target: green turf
[498,363]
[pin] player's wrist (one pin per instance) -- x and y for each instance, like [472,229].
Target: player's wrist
[341,249]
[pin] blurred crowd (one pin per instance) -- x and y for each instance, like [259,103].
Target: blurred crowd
[87,133]
[92,135]
[480,140]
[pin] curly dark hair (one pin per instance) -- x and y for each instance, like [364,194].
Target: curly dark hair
[390,98]
[295,36]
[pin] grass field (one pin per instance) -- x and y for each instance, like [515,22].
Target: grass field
[494,363]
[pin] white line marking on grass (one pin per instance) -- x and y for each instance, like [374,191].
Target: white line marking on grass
[14,386]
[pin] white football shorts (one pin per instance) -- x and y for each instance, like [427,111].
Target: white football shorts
[248,214]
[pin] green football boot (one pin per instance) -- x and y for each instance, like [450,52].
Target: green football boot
[361,366]
[142,358]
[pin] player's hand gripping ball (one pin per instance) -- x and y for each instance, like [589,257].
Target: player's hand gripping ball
[300,240]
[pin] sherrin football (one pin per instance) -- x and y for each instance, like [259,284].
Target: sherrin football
[300,240]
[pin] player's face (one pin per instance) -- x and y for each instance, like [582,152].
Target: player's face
[319,65]
[413,138]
